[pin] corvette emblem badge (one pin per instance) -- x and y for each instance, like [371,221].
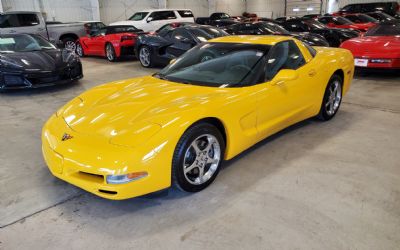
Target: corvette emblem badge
[66,137]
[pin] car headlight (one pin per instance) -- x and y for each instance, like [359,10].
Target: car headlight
[125,178]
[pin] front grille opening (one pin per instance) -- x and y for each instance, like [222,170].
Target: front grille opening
[107,191]
[91,177]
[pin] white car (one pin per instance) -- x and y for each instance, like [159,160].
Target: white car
[152,20]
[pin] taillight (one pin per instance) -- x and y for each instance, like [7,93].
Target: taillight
[126,38]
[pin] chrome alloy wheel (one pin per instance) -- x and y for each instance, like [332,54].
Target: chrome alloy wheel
[335,96]
[144,56]
[79,50]
[201,159]
[109,52]
[70,45]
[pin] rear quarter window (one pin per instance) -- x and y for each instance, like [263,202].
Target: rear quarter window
[185,13]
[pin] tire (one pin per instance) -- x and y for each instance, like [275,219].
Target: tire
[206,158]
[145,56]
[79,50]
[110,53]
[69,43]
[332,98]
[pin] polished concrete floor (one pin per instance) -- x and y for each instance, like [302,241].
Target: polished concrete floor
[333,185]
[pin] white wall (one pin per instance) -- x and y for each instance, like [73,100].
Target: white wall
[266,8]
[59,10]
[232,7]
[303,7]
[198,7]
[117,10]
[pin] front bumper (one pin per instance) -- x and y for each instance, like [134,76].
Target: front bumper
[17,80]
[393,64]
[86,160]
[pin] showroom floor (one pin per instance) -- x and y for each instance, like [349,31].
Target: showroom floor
[333,185]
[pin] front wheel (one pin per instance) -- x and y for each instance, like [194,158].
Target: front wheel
[198,157]
[332,98]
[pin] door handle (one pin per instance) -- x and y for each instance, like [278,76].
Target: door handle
[312,72]
[12,31]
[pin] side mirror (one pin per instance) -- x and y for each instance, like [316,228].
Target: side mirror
[285,75]
[172,61]
[149,19]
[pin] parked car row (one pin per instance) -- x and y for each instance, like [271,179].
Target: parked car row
[156,37]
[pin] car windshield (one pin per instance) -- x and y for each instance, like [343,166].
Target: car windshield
[217,65]
[315,24]
[361,19]
[341,21]
[206,33]
[138,16]
[382,16]
[23,43]
[273,28]
[384,30]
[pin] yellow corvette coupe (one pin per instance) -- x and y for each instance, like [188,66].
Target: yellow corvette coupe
[133,137]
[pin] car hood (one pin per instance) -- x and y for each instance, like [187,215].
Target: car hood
[384,46]
[36,61]
[117,107]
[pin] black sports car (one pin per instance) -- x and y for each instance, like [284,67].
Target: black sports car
[30,61]
[160,48]
[333,35]
[383,17]
[270,28]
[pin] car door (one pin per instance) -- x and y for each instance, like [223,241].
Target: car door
[22,23]
[290,91]
[181,41]
[96,42]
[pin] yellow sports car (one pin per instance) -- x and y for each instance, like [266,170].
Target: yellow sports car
[132,137]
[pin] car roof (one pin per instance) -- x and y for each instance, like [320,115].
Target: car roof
[150,10]
[264,40]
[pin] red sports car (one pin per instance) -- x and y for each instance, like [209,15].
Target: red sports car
[378,48]
[344,23]
[111,42]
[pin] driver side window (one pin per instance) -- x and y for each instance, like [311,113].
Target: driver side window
[284,55]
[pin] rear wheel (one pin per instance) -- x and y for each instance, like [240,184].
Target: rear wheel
[110,53]
[198,157]
[69,43]
[332,98]
[79,50]
[145,57]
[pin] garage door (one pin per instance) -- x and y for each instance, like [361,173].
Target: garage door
[302,7]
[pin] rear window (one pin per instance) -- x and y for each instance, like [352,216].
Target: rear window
[162,15]
[120,29]
[204,34]
[18,20]
[138,16]
[185,13]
